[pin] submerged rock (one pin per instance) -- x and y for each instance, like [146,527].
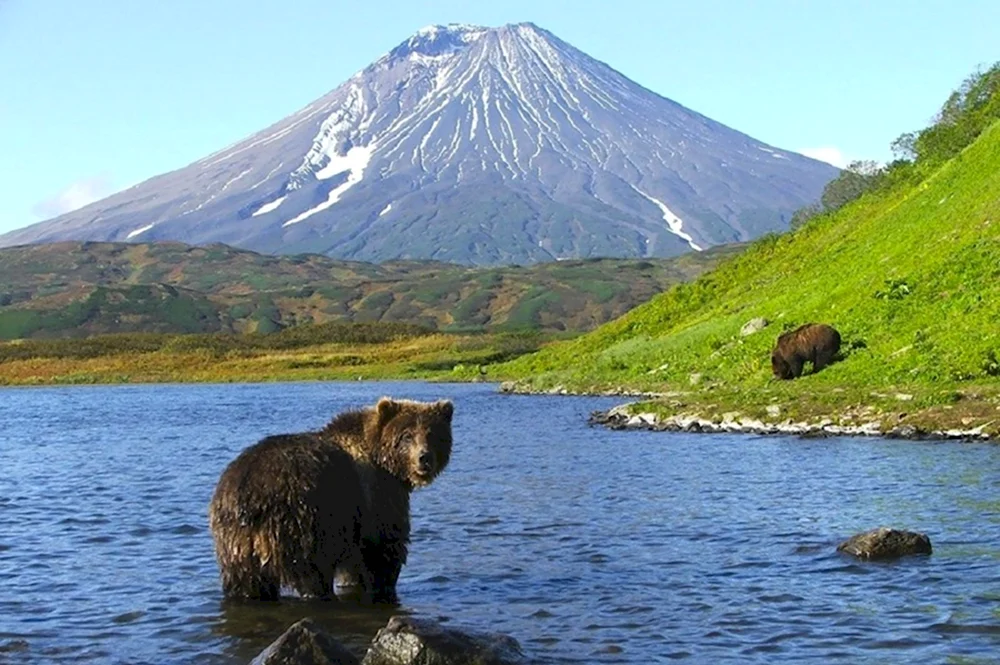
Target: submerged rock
[599,418]
[305,643]
[413,641]
[886,543]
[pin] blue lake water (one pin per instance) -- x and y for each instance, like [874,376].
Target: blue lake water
[587,545]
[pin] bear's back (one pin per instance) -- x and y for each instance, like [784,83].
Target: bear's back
[808,335]
[293,471]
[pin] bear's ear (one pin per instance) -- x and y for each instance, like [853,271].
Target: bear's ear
[386,410]
[446,409]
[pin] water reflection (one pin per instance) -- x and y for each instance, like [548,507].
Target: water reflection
[588,546]
[248,627]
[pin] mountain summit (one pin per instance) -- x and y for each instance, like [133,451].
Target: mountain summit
[473,145]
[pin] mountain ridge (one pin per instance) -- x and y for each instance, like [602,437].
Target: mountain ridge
[474,145]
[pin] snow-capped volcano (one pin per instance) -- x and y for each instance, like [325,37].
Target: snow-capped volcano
[470,144]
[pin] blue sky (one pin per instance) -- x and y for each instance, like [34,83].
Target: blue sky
[99,95]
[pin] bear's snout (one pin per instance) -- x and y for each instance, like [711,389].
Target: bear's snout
[425,464]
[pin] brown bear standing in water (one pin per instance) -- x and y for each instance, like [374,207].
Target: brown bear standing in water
[815,342]
[312,509]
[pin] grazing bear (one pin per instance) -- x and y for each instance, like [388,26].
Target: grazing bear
[816,342]
[319,509]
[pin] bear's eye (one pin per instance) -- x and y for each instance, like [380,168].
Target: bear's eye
[405,439]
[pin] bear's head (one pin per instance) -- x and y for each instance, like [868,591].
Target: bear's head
[414,438]
[781,368]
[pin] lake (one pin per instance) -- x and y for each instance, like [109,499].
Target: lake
[587,545]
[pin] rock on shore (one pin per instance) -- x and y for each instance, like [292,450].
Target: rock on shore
[515,388]
[621,417]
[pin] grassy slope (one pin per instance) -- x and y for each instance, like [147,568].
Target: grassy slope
[911,279]
[81,289]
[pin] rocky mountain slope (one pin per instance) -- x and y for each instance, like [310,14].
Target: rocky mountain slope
[472,145]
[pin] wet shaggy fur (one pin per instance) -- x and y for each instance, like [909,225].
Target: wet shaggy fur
[817,343]
[316,510]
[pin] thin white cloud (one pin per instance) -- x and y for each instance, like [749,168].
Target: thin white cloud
[828,154]
[76,195]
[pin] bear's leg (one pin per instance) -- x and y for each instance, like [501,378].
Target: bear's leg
[353,580]
[384,583]
[312,565]
[242,573]
[248,585]
[348,578]
[385,561]
[266,588]
[311,582]
[823,358]
[795,364]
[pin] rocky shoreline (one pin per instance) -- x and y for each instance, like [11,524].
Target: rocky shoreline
[515,388]
[621,418]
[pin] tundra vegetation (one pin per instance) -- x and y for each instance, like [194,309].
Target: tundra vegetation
[80,289]
[332,351]
[115,312]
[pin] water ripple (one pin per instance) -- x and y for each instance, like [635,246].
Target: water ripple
[589,546]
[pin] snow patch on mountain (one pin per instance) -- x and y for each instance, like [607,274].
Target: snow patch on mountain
[674,223]
[334,132]
[353,163]
[268,207]
[266,177]
[138,231]
[774,154]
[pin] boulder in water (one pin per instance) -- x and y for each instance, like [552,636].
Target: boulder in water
[421,641]
[886,543]
[305,643]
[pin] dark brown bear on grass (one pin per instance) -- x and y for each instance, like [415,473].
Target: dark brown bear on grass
[310,509]
[815,342]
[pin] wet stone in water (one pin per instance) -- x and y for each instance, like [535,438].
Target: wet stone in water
[886,543]
[305,643]
[419,641]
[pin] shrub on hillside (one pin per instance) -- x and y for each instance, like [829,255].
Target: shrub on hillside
[967,112]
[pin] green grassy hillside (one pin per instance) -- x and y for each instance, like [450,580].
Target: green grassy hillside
[909,274]
[82,289]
